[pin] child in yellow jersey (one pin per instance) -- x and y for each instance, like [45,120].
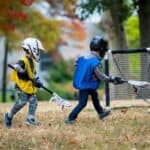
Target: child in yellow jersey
[22,75]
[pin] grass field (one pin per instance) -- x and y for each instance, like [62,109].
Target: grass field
[124,129]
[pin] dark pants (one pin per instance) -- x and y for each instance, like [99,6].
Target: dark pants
[83,98]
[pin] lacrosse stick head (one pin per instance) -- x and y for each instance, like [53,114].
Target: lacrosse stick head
[60,101]
[139,88]
[138,83]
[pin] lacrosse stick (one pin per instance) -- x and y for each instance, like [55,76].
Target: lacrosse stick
[55,97]
[138,87]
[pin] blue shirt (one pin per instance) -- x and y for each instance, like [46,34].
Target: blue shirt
[84,77]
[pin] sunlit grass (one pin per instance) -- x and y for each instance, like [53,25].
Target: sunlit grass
[122,130]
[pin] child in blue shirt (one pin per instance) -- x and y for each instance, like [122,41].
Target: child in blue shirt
[87,78]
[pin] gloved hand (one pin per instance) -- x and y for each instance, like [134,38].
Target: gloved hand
[37,82]
[116,80]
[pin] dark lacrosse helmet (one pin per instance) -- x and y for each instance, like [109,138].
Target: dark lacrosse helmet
[99,44]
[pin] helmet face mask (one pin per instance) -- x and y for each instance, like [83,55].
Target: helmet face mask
[36,54]
[33,46]
[100,45]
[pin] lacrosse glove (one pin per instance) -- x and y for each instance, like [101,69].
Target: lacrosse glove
[37,82]
[116,80]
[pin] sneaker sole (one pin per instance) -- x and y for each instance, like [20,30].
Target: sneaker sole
[29,124]
[69,123]
[105,116]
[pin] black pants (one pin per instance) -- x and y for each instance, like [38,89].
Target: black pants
[83,98]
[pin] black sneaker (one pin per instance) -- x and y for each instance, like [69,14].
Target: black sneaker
[104,114]
[8,120]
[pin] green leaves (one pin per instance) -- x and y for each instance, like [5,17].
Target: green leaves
[86,8]
[132,30]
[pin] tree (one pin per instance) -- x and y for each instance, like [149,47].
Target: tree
[144,22]
[71,28]
[63,7]
[11,14]
[132,31]
[46,29]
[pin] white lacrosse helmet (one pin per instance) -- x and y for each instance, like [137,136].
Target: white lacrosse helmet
[33,46]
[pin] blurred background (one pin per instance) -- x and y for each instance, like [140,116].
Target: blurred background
[65,27]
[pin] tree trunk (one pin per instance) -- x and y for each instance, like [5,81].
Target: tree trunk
[144,22]
[4,79]
[144,25]
[117,40]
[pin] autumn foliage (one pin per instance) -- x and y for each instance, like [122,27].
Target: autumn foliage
[74,29]
[11,12]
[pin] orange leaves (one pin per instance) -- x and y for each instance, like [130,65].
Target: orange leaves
[27,2]
[75,29]
[78,29]
[7,27]
[15,14]
[12,12]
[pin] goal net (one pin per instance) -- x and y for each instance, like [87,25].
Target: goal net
[130,65]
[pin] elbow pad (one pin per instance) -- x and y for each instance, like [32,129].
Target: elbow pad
[18,68]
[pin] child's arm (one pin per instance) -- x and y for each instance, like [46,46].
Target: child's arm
[23,75]
[20,66]
[102,76]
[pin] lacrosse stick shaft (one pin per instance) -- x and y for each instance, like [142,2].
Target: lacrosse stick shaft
[12,67]
[46,89]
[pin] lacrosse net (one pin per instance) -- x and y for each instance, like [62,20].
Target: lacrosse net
[130,65]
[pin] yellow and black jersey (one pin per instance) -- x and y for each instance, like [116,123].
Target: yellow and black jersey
[23,80]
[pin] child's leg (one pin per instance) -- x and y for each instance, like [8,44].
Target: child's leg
[32,106]
[83,97]
[101,113]
[96,102]
[22,100]
[31,112]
